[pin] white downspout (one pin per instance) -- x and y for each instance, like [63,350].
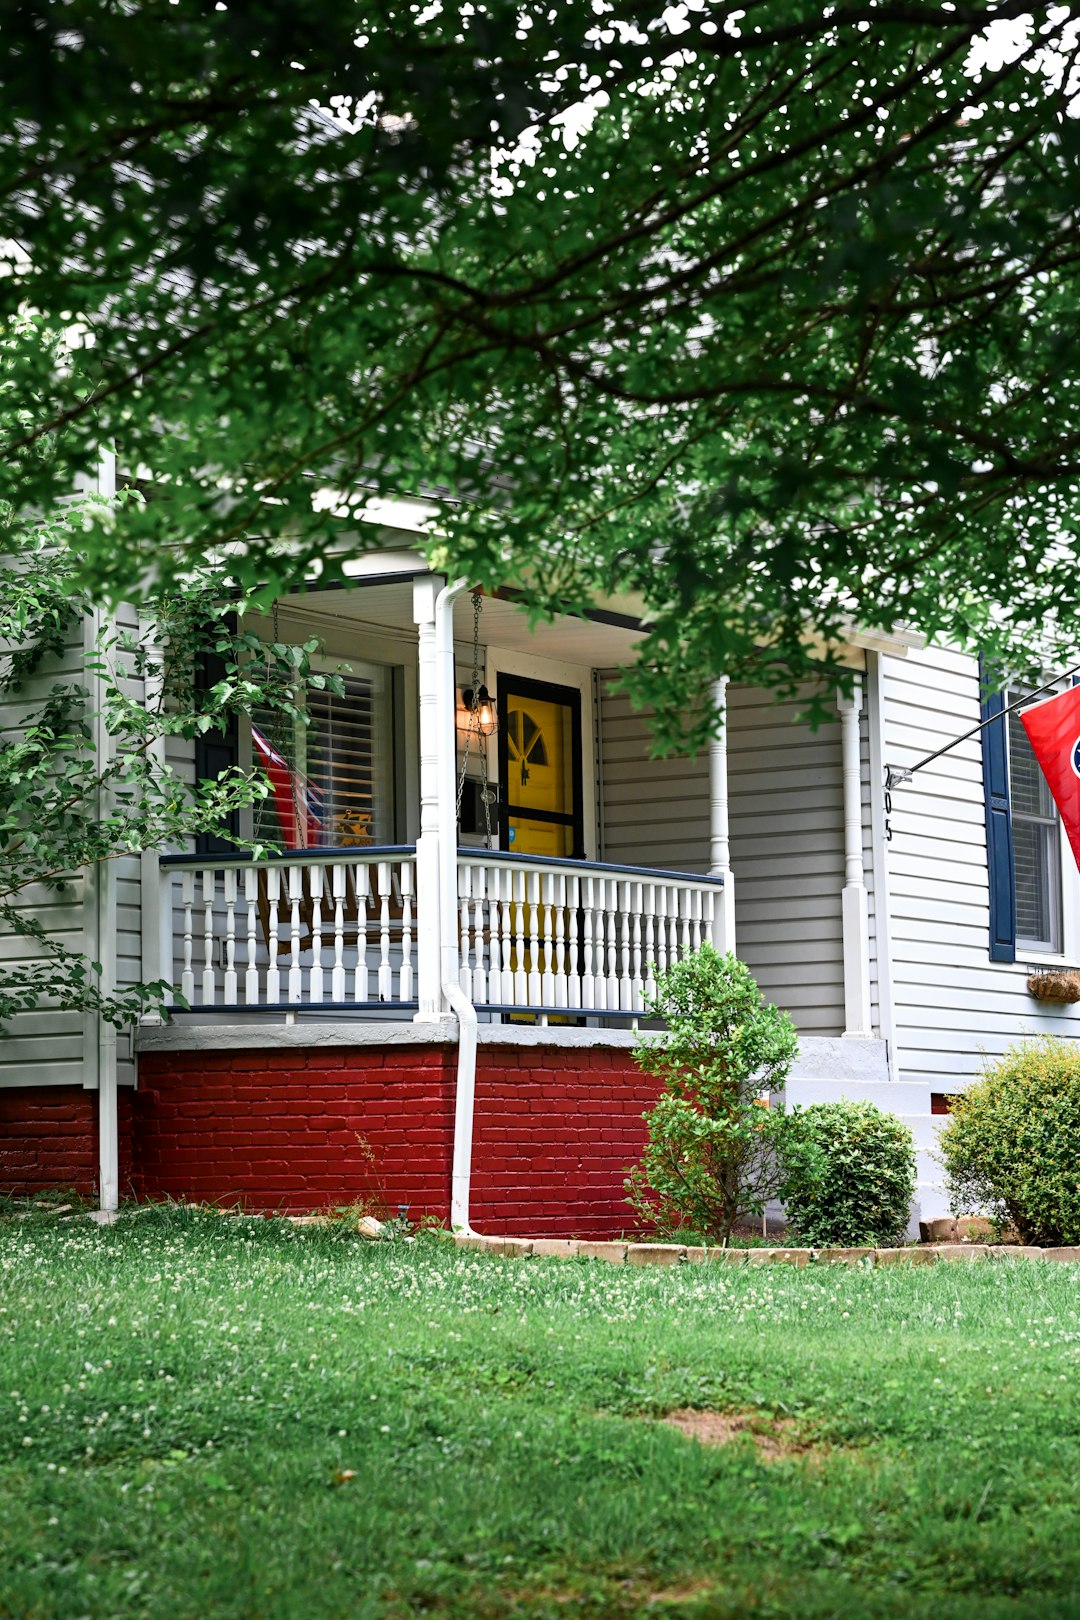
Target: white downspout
[449,963]
[104,899]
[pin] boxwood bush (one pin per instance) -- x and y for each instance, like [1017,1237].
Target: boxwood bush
[1011,1148]
[848,1174]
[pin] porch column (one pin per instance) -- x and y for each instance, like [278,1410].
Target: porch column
[719,827]
[856,923]
[428,981]
[156,938]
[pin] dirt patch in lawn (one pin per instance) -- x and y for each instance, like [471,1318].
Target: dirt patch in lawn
[774,1439]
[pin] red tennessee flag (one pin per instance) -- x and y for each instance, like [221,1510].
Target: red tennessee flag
[1053,729]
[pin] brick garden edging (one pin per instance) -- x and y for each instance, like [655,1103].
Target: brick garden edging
[673,1254]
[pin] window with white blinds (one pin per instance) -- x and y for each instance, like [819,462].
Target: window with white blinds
[1036,844]
[330,782]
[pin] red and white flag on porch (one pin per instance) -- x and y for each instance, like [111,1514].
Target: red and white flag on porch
[1053,728]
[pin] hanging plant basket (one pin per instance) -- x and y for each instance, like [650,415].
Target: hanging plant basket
[1056,984]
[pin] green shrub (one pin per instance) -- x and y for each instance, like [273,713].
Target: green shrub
[1011,1147]
[848,1174]
[709,1158]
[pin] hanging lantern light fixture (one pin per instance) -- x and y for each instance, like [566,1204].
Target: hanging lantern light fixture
[481,706]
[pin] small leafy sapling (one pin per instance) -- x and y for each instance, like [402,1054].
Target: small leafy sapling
[710,1157]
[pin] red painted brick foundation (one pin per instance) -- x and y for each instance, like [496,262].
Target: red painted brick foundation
[298,1130]
[555,1130]
[49,1139]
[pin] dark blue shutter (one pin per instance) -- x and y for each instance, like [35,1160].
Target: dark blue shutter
[216,751]
[999,845]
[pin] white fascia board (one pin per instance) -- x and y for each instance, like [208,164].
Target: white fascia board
[898,641]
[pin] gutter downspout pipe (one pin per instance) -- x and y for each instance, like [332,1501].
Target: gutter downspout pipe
[449,961]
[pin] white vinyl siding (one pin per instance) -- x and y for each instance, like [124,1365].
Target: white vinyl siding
[655,811]
[787,854]
[44,1047]
[952,1004]
[786,806]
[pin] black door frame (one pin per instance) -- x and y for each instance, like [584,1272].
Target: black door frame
[568,697]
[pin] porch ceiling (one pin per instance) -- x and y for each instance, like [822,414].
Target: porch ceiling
[590,643]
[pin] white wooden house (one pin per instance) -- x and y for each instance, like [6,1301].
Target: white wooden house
[337,994]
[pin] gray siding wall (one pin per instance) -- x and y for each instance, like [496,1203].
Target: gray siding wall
[786,802]
[47,1046]
[128,880]
[44,1047]
[952,1004]
[787,853]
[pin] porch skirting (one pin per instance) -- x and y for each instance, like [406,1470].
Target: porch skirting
[314,1124]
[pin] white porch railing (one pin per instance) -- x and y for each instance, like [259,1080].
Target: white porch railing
[337,929]
[325,928]
[553,936]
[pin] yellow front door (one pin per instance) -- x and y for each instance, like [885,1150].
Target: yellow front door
[540,767]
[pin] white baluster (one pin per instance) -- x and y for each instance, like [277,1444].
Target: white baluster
[361,877]
[273,971]
[637,890]
[296,895]
[209,977]
[663,895]
[251,895]
[230,990]
[337,889]
[612,981]
[650,940]
[506,907]
[480,977]
[520,996]
[562,993]
[316,878]
[386,979]
[573,953]
[673,925]
[697,912]
[464,890]
[625,984]
[405,978]
[588,966]
[494,945]
[533,881]
[547,907]
[187,975]
[708,915]
[685,899]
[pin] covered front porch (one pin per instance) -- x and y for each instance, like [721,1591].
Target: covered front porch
[548,868]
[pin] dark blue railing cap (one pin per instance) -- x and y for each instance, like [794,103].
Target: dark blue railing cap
[385,852]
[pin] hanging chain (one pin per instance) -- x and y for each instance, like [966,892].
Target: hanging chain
[473,725]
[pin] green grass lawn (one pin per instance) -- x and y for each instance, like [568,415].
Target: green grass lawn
[184,1397]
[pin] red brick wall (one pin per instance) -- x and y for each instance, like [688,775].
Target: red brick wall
[299,1130]
[49,1138]
[555,1132]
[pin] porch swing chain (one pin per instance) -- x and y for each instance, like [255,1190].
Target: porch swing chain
[478,603]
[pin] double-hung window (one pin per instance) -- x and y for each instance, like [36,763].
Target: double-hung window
[1036,840]
[1033,902]
[330,782]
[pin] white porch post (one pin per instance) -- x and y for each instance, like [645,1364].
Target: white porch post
[719,826]
[855,913]
[428,979]
[156,928]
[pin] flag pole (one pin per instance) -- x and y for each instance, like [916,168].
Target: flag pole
[897,775]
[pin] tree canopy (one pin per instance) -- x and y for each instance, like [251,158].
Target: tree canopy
[765,312]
